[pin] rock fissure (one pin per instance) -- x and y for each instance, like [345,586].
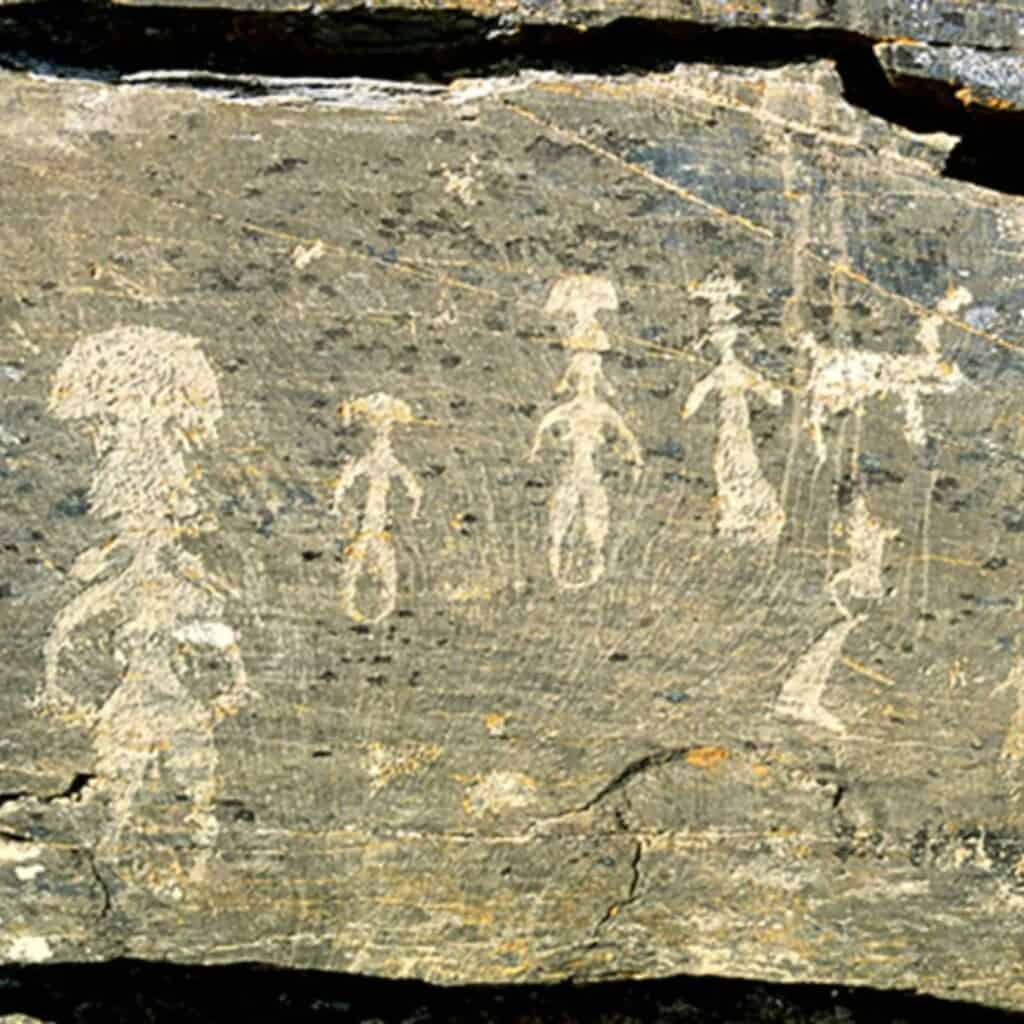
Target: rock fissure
[258,54]
[106,898]
[626,776]
[72,791]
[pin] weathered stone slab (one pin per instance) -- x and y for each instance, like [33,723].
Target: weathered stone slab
[552,527]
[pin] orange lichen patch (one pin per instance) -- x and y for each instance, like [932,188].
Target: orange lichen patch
[495,723]
[706,757]
[761,772]
[971,99]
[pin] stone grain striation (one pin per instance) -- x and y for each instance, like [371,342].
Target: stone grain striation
[543,527]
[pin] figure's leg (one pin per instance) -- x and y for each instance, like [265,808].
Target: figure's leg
[121,770]
[381,563]
[355,555]
[192,761]
[596,521]
[564,504]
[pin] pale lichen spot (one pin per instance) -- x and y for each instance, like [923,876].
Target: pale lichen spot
[384,763]
[497,792]
[302,255]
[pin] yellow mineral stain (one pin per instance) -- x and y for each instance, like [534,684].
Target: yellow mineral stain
[707,757]
[495,723]
[386,763]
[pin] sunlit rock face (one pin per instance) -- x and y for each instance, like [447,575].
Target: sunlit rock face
[544,526]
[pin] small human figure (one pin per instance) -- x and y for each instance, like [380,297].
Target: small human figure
[802,692]
[587,418]
[372,552]
[748,509]
[150,397]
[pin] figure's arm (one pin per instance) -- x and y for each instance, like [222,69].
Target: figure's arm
[220,636]
[412,485]
[546,424]
[87,605]
[618,426]
[700,391]
[351,473]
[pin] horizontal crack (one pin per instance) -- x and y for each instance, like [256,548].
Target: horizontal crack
[241,52]
[72,791]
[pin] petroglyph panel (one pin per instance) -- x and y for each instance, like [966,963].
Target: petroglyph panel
[552,528]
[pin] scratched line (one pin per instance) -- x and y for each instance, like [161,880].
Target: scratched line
[758,231]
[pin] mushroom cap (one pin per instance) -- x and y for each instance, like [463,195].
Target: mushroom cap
[138,374]
[580,294]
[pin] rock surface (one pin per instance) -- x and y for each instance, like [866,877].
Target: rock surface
[983,23]
[547,527]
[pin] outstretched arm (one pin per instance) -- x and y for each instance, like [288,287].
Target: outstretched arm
[352,472]
[90,603]
[222,637]
[412,485]
[700,391]
[546,424]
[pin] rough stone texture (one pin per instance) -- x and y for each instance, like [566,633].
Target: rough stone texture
[997,25]
[992,82]
[685,640]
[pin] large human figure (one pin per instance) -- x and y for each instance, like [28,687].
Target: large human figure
[748,508]
[149,398]
[587,419]
[372,552]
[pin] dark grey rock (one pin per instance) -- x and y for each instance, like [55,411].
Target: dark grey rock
[548,527]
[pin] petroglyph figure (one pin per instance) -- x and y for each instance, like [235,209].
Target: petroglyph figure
[372,552]
[580,499]
[867,539]
[802,692]
[149,398]
[748,509]
[843,381]
[1013,743]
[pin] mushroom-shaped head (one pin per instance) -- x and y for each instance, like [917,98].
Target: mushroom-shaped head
[581,295]
[138,374]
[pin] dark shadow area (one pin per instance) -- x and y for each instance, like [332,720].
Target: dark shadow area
[99,41]
[135,992]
